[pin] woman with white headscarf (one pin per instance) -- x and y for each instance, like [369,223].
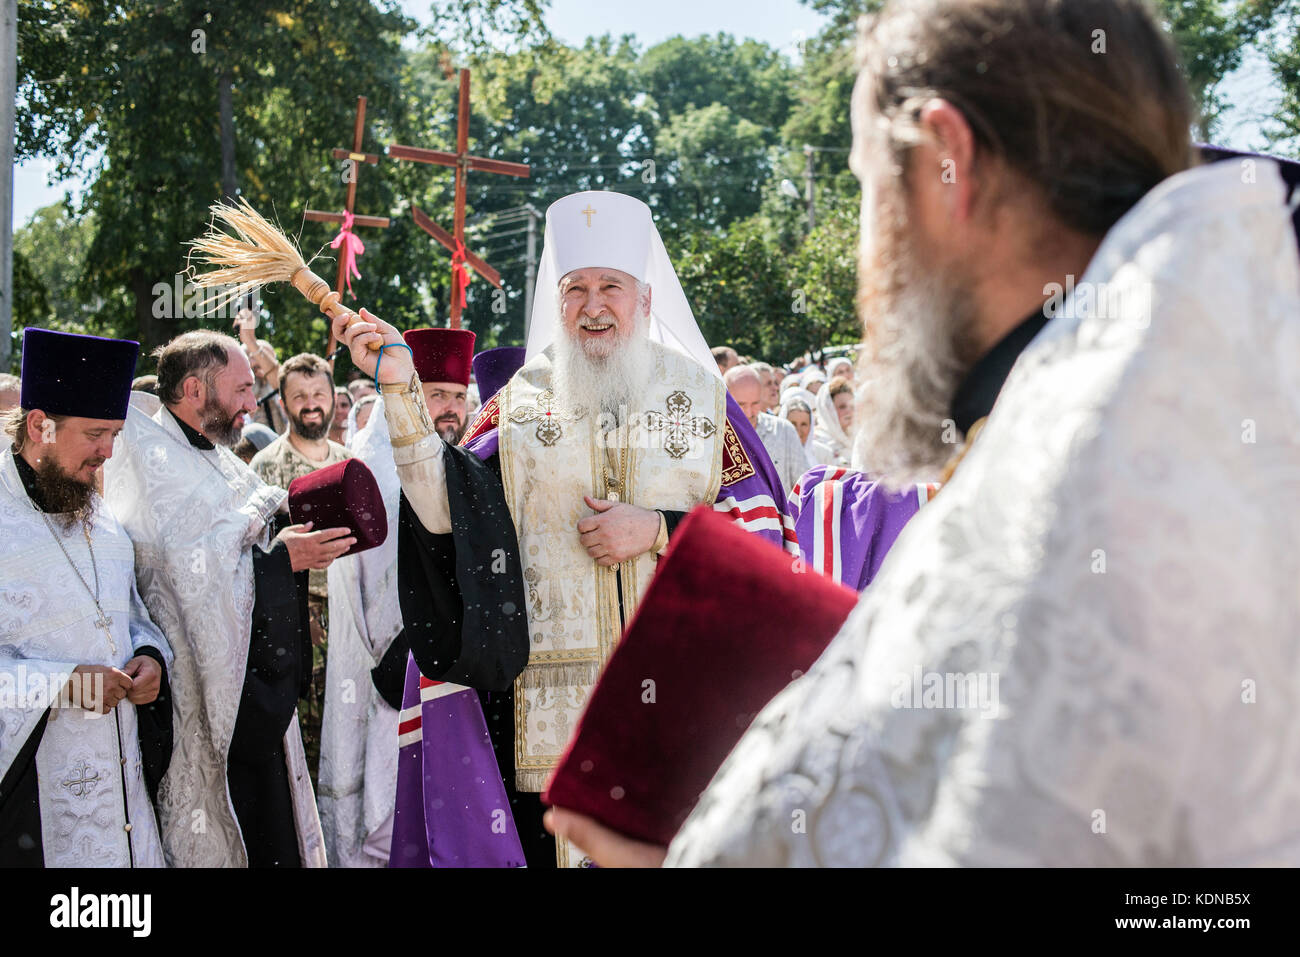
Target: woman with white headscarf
[812,379]
[835,420]
[359,418]
[798,408]
[840,366]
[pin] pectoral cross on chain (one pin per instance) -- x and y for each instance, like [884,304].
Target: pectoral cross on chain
[679,425]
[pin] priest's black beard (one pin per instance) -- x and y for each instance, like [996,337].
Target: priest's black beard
[72,501]
[916,318]
[217,424]
[312,432]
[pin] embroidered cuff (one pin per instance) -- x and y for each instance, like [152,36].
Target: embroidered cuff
[407,415]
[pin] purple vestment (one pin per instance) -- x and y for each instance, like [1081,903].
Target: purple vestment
[846,521]
[451,804]
[451,808]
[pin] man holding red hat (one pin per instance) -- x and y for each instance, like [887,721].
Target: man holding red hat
[308,396]
[219,562]
[76,642]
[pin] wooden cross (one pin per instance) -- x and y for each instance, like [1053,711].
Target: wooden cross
[355,157]
[462,162]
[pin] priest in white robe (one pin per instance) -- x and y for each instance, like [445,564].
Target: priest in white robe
[224,575]
[84,737]
[363,679]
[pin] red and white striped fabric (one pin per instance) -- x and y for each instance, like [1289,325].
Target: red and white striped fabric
[410,720]
[828,504]
[759,513]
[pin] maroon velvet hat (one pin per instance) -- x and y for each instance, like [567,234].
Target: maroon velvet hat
[725,624]
[441,355]
[344,494]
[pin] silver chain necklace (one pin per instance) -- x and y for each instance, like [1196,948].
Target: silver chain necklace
[103,621]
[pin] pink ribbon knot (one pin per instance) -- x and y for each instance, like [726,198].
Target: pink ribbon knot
[352,247]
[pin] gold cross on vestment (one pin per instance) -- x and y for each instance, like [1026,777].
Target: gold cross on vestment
[588,212]
[547,416]
[679,425]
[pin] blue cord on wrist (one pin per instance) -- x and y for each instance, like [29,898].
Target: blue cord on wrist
[389,345]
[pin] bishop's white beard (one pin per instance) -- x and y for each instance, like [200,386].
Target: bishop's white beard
[608,386]
[916,319]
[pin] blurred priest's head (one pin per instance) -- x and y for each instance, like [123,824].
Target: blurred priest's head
[997,141]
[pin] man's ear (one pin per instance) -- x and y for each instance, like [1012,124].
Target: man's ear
[948,159]
[194,390]
[35,425]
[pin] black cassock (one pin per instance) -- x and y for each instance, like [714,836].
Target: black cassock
[279,666]
[466,622]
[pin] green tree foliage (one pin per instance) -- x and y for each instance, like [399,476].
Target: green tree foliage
[52,249]
[127,92]
[711,160]
[704,129]
[1211,37]
[1283,50]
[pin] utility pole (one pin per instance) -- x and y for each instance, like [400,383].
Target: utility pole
[530,261]
[808,186]
[8,95]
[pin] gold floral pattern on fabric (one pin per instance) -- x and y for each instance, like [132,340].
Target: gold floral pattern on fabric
[488,418]
[679,424]
[735,462]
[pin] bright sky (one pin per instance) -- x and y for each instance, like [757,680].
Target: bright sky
[780,23]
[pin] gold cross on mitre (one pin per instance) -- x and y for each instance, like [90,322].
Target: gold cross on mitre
[588,212]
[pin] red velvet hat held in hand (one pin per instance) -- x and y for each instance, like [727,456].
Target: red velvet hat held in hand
[441,355]
[725,624]
[342,495]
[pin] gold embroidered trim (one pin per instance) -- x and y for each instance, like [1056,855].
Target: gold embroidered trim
[394,388]
[488,418]
[735,463]
[960,454]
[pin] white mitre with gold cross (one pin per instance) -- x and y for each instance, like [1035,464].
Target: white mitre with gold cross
[601,228]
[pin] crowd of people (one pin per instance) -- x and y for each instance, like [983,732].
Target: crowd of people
[357,625]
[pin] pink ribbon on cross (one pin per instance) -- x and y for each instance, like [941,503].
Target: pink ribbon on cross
[352,248]
[459,275]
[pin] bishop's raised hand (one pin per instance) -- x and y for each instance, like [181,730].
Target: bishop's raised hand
[396,366]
